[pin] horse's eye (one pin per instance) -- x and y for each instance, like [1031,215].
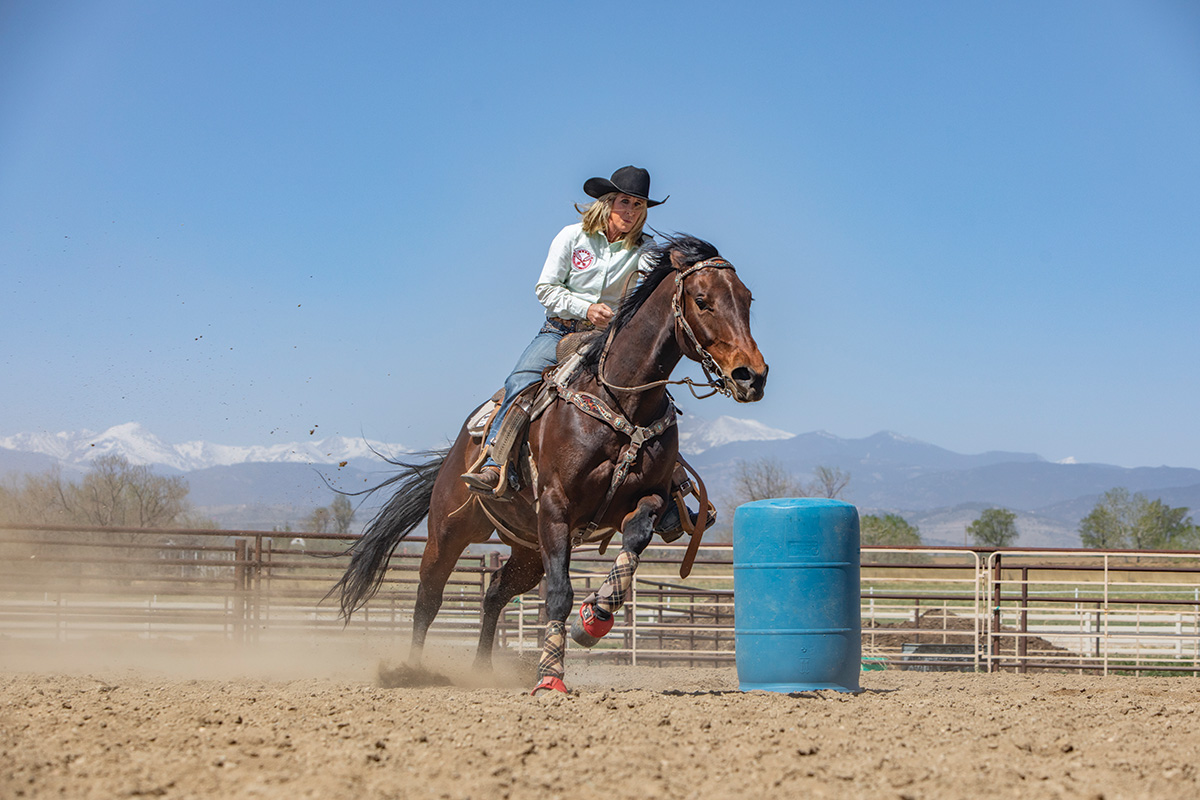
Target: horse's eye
[701,304]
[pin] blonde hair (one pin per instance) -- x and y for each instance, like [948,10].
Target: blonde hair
[595,220]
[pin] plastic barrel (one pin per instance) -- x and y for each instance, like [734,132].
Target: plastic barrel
[797,623]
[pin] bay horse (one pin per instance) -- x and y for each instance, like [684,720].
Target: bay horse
[613,418]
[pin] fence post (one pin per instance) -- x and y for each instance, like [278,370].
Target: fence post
[997,589]
[659,623]
[692,626]
[239,590]
[1105,616]
[1022,635]
[256,598]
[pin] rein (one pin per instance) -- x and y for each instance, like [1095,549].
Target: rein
[707,363]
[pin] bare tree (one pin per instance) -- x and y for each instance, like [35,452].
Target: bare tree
[114,493]
[828,482]
[99,499]
[319,521]
[155,501]
[764,478]
[37,499]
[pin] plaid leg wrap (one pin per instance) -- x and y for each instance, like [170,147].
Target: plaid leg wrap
[612,593]
[554,650]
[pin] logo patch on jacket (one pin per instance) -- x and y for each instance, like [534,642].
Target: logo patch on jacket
[582,258]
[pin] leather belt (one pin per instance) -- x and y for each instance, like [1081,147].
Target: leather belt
[571,325]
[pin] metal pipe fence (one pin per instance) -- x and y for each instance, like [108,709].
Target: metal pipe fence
[1094,610]
[922,608]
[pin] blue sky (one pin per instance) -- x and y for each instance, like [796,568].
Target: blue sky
[973,224]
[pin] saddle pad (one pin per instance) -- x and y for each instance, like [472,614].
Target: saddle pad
[477,423]
[574,342]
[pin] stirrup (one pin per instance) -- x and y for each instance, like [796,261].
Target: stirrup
[476,482]
[480,487]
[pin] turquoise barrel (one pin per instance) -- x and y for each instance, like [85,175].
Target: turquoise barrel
[797,623]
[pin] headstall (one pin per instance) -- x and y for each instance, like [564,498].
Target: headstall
[707,363]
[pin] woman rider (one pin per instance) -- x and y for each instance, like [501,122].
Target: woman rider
[580,285]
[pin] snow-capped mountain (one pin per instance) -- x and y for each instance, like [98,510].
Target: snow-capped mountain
[697,435]
[140,446]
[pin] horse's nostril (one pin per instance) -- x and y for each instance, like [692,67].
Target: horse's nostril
[742,375]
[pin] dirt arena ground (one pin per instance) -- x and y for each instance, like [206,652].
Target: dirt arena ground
[120,719]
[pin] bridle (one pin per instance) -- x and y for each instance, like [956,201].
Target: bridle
[639,435]
[707,362]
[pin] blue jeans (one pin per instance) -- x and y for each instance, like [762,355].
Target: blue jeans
[542,352]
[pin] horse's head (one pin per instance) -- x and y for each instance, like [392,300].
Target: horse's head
[712,308]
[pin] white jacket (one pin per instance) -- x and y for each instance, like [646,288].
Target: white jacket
[582,269]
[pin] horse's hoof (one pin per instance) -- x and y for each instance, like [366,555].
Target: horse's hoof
[550,682]
[588,628]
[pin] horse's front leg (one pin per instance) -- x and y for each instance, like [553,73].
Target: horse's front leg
[596,613]
[554,535]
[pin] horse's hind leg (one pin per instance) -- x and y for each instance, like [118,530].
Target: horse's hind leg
[519,574]
[596,612]
[448,538]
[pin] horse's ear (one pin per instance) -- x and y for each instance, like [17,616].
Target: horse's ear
[677,260]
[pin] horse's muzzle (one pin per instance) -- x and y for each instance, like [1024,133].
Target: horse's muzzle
[747,384]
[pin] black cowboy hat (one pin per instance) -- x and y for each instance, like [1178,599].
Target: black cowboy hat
[633,181]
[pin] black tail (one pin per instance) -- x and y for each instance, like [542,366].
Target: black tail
[370,555]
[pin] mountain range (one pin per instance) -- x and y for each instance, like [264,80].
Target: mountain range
[940,491]
[139,446]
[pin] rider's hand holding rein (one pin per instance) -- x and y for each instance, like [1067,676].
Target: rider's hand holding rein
[599,314]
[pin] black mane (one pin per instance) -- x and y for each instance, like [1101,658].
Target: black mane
[691,251]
